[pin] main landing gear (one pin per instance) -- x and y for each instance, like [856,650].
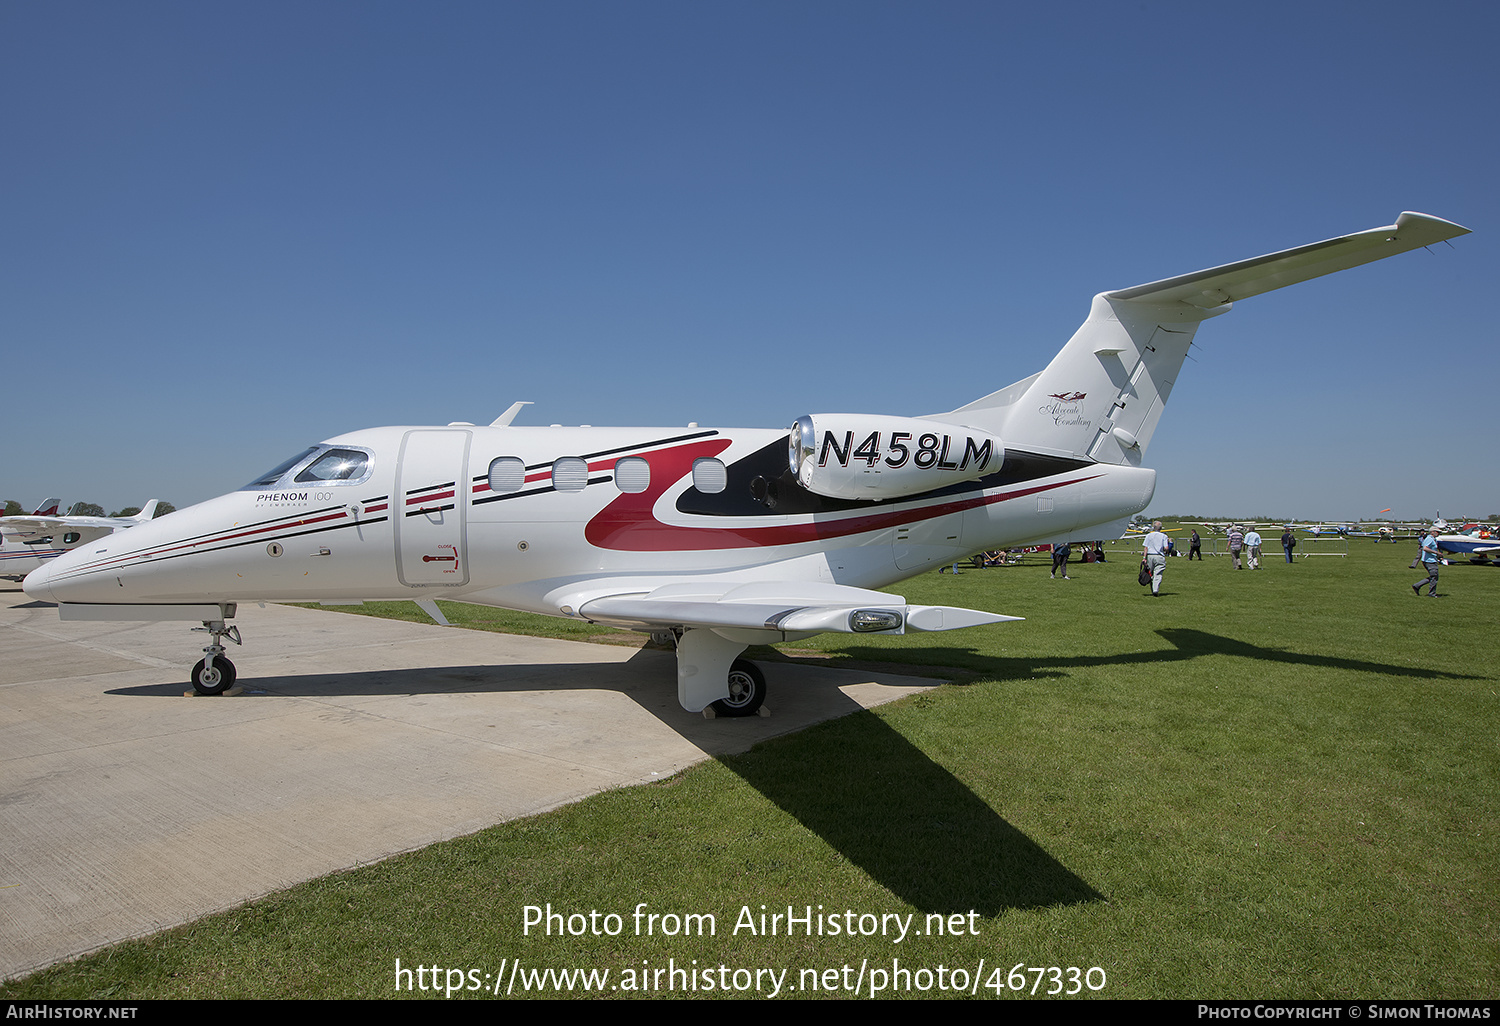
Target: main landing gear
[713,679]
[747,690]
[214,674]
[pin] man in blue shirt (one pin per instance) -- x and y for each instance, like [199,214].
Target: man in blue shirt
[1252,542]
[1431,560]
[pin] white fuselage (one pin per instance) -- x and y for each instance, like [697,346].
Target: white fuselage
[422,521]
[19,555]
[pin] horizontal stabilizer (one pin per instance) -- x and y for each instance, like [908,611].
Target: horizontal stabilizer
[796,607]
[1216,286]
[1101,397]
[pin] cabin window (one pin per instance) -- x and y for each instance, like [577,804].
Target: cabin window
[632,474]
[570,474]
[336,465]
[709,476]
[507,474]
[71,538]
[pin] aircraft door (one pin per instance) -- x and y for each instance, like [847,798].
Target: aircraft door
[430,507]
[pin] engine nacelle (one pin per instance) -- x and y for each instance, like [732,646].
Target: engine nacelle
[854,456]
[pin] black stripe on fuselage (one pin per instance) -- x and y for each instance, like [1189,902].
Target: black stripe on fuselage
[136,559]
[532,491]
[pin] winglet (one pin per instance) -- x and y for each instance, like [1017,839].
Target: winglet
[509,415]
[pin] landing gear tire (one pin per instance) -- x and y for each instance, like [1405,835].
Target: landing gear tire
[213,680]
[747,690]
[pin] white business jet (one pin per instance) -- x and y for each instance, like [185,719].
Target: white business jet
[724,538]
[27,542]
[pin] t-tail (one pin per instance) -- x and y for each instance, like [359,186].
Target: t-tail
[1101,397]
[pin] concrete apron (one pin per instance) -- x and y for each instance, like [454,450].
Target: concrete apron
[126,808]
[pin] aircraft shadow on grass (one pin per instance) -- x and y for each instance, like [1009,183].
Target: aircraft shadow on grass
[864,789]
[1186,644]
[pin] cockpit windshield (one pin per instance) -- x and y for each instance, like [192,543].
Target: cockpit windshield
[320,465]
[270,477]
[336,465]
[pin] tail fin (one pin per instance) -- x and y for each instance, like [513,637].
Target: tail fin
[147,511]
[48,508]
[1101,397]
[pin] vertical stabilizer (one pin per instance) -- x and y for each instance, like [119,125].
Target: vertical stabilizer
[1101,397]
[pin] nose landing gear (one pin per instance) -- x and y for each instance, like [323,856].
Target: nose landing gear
[214,674]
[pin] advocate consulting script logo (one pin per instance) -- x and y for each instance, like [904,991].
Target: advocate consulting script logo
[1067,411]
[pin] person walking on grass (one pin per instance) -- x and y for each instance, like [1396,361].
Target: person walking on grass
[1060,554]
[1431,560]
[1157,544]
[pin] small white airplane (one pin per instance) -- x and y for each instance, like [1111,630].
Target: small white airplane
[27,542]
[724,538]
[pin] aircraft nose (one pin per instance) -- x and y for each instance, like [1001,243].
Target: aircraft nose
[38,583]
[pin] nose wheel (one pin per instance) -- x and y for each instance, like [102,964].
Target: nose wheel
[214,674]
[213,679]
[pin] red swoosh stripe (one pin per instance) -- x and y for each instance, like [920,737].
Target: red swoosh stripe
[628,524]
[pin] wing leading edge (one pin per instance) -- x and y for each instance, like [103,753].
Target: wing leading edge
[1216,286]
[789,607]
[716,620]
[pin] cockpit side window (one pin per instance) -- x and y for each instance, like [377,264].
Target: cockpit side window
[336,465]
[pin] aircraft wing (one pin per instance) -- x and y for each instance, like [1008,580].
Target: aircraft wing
[1242,279]
[787,606]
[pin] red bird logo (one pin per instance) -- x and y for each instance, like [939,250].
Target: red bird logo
[1068,397]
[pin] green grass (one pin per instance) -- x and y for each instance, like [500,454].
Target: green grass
[1271,784]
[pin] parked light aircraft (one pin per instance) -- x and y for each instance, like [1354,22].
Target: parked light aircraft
[1475,542]
[28,542]
[725,538]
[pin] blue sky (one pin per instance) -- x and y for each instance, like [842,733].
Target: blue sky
[233,229]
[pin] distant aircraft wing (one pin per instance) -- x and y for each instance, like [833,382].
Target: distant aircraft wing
[66,531]
[792,607]
[32,525]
